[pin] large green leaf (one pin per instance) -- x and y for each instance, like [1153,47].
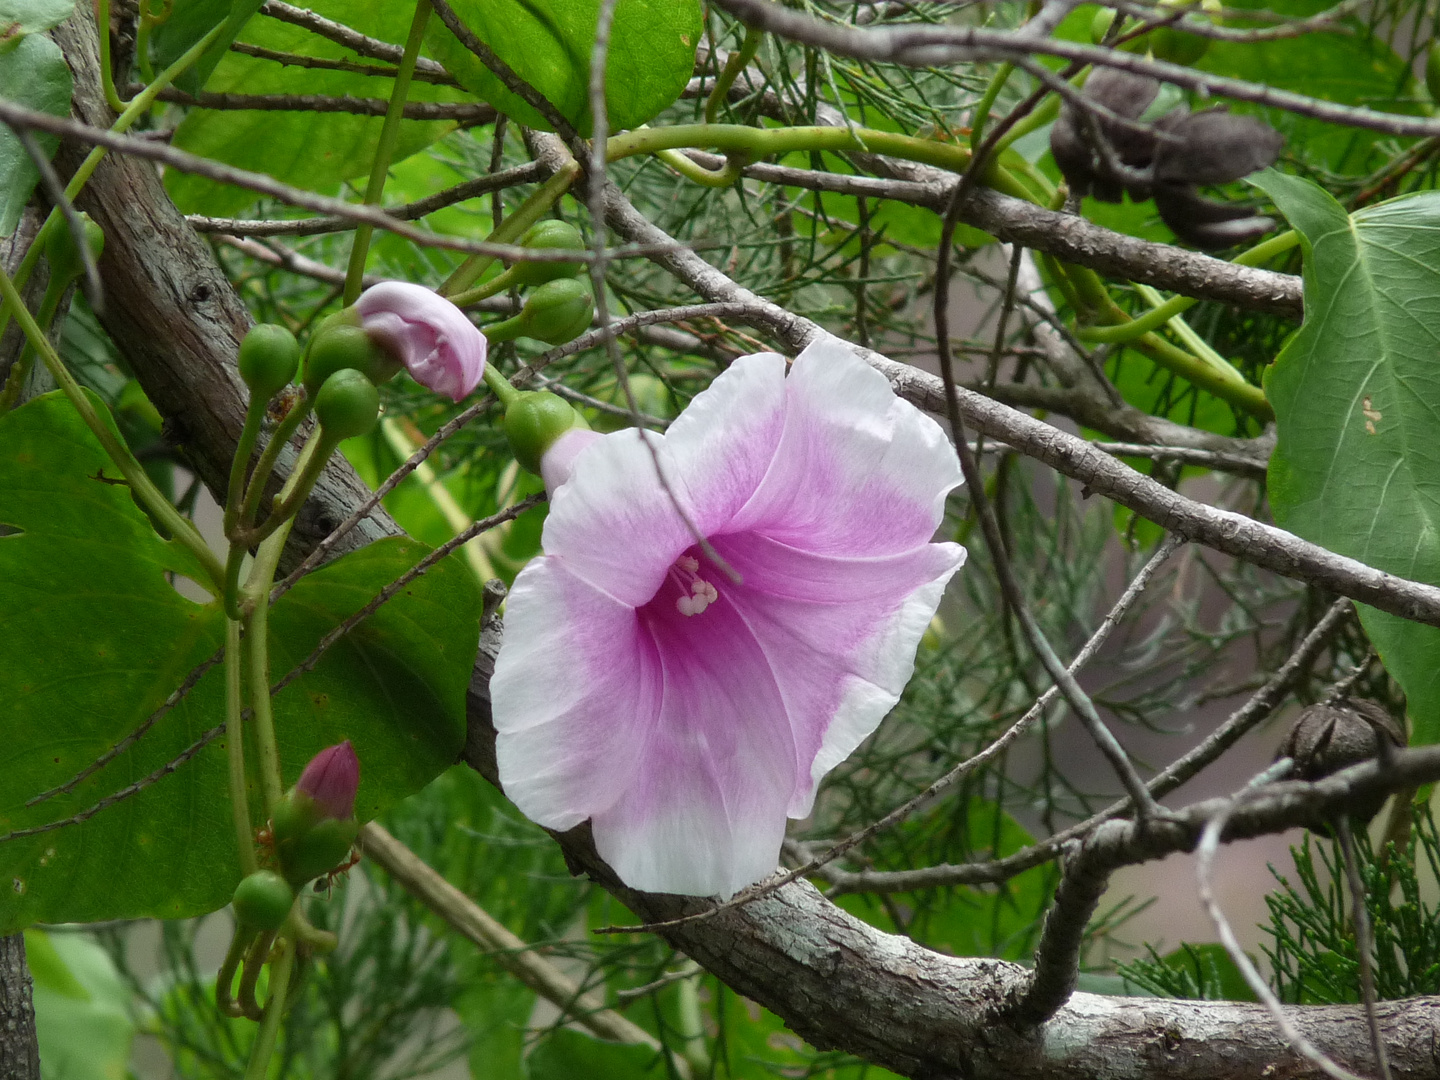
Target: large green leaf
[1357,405]
[191,20]
[19,18]
[35,75]
[652,55]
[312,150]
[95,637]
[82,1008]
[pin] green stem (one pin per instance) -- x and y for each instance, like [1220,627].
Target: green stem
[756,143]
[20,373]
[264,1045]
[257,678]
[513,227]
[500,386]
[987,102]
[235,749]
[257,640]
[1188,337]
[733,66]
[498,284]
[719,178]
[308,468]
[138,107]
[234,495]
[141,486]
[1178,305]
[1044,113]
[385,150]
[277,443]
[1268,249]
[107,76]
[1139,327]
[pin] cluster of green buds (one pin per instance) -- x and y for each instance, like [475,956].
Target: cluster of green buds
[558,307]
[311,835]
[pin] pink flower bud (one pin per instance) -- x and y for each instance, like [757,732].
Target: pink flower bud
[331,779]
[439,346]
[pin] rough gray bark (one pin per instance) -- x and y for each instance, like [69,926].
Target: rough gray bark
[169,306]
[837,981]
[19,1052]
[12,342]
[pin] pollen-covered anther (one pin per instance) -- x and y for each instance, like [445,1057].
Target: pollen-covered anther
[686,573]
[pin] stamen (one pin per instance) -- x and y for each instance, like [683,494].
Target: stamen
[685,572]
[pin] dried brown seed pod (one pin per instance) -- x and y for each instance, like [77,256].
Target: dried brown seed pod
[1326,738]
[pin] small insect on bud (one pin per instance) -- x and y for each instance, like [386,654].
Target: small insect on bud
[1326,738]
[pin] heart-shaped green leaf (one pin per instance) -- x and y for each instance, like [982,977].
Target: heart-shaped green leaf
[312,150]
[95,637]
[652,55]
[32,74]
[19,18]
[1357,405]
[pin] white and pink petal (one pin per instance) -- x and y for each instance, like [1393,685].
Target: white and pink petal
[575,696]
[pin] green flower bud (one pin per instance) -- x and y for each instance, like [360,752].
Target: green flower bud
[557,312]
[263,900]
[534,421]
[269,358]
[340,342]
[347,405]
[318,850]
[63,254]
[555,235]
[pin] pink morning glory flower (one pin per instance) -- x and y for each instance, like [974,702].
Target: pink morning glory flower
[685,713]
[439,346]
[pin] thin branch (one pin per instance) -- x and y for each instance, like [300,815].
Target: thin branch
[187,684]
[335,634]
[351,39]
[505,73]
[423,68]
[979,501]
[1209,844]
[1260,705]
[122,794]
[933,45]
[480,185]
[466,113]
[171,157]
[512,953]
[371,501]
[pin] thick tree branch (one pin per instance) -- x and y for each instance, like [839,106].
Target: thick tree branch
[19,1052]
[1066,236]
